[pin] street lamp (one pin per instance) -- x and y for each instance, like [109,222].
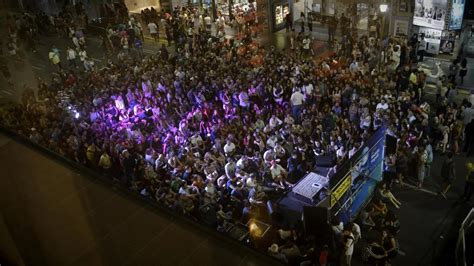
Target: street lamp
[383,7]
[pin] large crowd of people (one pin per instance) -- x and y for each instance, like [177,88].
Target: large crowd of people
[227,125]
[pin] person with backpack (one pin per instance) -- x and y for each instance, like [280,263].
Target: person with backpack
[469,185]
[348,246]
[447,173]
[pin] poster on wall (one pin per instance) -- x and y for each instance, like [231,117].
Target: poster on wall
[432,38]
[430,13]
[400,28]
[457,13]
[431,35]
[447,42]
[332,9]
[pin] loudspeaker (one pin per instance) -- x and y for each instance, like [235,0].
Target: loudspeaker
[328,160]
[316,221]
[390,144]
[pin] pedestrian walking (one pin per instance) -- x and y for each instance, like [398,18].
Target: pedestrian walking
[310,23]
[139,47]
[421,164]
[153,29]
[421,48]
[289,22]
[429,158]
[453,71]
[447,173]
[469,185]
[303,21]
[463,70]
[348,241]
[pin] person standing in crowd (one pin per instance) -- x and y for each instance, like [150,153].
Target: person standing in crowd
[348,246]
[453,71]
[391,168]
[468,122]
[154,30]
[421,47]
[469,184]
[447,173]
[297,99]
[303,21]
[463,70]
[306,46]
[71,57]
[289,22]
[429,157]
[422,156]
[54,57]
[310,23]
[82,57]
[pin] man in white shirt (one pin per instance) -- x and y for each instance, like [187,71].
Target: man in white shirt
[274,122]
[308,89]
[348,244]
[354,66]
[229,148]
[71,57]
[153,29]
[297,99]
[208,22]
[229,168]
[421,47]
[383,105]
[306,45]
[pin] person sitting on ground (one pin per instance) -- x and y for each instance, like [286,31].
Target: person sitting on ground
[387,195]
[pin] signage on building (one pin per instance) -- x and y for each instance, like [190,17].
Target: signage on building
[430,13]
[457,14]
[432,38]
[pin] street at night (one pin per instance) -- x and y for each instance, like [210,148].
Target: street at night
[266,132]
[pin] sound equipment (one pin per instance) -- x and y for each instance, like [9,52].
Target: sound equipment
[390,144]
[316,221]
[328,160]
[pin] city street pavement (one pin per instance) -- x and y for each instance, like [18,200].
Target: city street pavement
[429,223]
[29,65]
